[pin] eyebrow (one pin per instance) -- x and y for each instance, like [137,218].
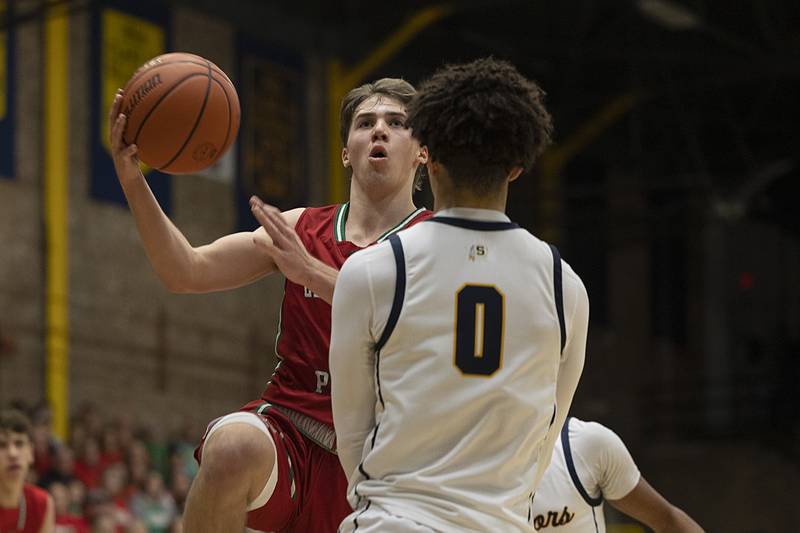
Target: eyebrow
[372,114]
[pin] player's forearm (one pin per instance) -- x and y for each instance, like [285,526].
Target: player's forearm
[169,252]
[677,521]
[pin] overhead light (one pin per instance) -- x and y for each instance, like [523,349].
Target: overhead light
[668,14]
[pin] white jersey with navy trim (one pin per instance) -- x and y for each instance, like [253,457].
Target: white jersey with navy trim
[590,463]
[453,361]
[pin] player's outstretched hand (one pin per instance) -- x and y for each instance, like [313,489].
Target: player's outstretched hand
[126,158]
[285,247]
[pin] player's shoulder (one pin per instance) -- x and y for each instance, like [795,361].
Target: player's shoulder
[365,257]
[367,270]
[37,498]
[572,283]
[422,214]
[592,437]
[535,244]
[325,212]
[315,222]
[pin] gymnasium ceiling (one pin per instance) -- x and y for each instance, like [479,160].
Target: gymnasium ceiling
[700,97]
[714,83]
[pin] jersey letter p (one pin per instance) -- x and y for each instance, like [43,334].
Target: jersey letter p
[322,380]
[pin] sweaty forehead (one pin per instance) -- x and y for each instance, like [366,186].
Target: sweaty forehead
[380,104]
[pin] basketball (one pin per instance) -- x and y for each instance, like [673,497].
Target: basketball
[182,112]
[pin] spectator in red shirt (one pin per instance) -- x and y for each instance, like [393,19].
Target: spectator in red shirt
[24,508]
[111,449]
[88,467]
[45,444]
[66,522]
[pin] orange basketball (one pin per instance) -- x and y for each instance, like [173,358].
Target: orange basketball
[182,112]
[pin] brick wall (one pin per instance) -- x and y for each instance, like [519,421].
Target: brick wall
[133,345]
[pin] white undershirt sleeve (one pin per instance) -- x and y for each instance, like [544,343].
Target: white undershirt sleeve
[352,358]
[576,318]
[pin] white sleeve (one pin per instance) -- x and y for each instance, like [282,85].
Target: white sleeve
[352,358]
[608,460]
[576,319]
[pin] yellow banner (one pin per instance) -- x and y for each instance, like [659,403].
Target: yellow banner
[127,43]
[3,63]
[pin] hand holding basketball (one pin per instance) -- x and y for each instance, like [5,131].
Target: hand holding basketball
[180,111]
[126,157]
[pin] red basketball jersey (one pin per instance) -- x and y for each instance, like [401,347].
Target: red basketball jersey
[301,381]
[28,516]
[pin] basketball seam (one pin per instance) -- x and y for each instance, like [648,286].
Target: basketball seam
[196,122]
[230,118]
[145,71]
[161,99]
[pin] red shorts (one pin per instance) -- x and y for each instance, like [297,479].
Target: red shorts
[311,492]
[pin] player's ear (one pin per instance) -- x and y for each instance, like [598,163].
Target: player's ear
[422,156]
[514,174]
[345,158]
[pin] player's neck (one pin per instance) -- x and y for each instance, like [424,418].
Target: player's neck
[370,216]
[495,203]
[448,197]
[10,489]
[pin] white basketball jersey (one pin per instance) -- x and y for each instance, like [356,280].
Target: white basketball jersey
[589,462]
[466,373]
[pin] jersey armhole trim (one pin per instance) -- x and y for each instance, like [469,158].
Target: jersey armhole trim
[558,292]
[573,474]
[399,291]
[397,306]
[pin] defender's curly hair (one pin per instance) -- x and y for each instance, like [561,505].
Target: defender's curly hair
[480,120]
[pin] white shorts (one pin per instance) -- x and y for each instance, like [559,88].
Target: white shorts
[373,519]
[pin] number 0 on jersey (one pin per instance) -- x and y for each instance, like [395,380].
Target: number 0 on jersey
[479,329]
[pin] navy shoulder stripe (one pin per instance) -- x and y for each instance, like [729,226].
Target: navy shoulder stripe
[558,291]
[480,225]
[573,474]
[397,306]
[399,291]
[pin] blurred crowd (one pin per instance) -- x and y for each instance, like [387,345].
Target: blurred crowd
[111,475]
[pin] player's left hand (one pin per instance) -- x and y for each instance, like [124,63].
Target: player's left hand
[285,247]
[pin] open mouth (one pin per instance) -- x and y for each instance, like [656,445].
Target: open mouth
[378,152]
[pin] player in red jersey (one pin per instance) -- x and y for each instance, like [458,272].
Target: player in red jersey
[24,508]
[272,465]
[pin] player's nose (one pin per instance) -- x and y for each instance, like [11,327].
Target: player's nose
[379,130]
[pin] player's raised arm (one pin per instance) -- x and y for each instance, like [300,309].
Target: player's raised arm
[283,245]
[228,262]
